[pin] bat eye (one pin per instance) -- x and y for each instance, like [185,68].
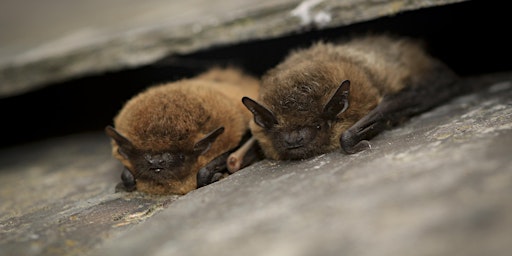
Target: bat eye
[318,127]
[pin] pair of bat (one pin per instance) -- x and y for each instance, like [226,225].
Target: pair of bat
[176,137]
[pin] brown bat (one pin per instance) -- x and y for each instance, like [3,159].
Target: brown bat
[175,137]
[332,95]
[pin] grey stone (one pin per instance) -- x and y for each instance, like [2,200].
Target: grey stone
[57,197]
[439,184]
[55,40]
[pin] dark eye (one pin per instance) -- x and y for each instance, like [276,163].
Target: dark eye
[319,127]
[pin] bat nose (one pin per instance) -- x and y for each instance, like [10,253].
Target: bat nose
[155,160]
[293,140]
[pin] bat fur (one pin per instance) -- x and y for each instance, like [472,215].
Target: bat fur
[334,95]
[165,134]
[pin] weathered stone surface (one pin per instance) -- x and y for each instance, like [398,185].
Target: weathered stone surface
[54,40]
[57,197]
[438,185]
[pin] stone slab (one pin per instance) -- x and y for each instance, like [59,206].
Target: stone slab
[51,41]
[438,185]
[57,197]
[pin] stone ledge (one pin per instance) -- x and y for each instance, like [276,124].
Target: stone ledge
[172,28]
[438,185]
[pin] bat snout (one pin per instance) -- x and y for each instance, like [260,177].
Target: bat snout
[293,140]
[294,144]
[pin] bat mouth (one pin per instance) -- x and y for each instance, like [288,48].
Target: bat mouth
[294,147]
[156,169]
[296,153]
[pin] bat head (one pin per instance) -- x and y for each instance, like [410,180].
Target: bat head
[162,171]
[296,134]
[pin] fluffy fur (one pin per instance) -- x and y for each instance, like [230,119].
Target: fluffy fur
[297,90]
[172,118]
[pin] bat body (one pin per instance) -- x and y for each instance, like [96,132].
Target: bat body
[166,134]
[340,95]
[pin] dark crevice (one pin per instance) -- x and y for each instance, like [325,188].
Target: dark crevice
[471,37]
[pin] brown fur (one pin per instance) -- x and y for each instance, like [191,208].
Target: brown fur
[172,117]
[297,89]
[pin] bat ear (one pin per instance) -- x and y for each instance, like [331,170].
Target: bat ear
[262,115]
[203,145]
[338,102]
[125,145]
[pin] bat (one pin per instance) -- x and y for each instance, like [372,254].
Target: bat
[175,137]
[340,95]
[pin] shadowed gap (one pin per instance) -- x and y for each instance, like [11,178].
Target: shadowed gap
[468,36]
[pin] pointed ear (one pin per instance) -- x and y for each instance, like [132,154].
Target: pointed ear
[262,115]
[203,145]
[338,102]
[125,145]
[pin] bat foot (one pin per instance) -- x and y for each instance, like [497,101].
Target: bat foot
[217,176]
[128,181]
[206,176]
[351,145]
[213,171]
[360,146]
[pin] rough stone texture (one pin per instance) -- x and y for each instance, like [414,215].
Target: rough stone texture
[54,40]
[438,185]
[57,197]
